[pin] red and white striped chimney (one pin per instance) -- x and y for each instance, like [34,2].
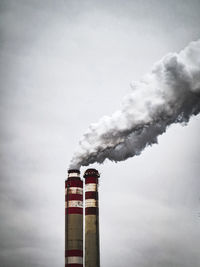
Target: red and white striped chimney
[92,250]
[73,220]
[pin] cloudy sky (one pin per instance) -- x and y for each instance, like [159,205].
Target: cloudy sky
[63,65]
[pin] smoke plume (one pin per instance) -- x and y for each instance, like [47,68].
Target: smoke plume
[170,93]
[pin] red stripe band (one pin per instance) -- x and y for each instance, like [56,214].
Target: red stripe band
[91,180]
[78,183]
[74,179]
[73,210]
[91,195]
[73,265]
[73,197]
[92,211]
[73,252]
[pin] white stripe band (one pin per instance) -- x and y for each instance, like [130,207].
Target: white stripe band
[74,203]
[91,203]
[74,190]
[91,187]
[74,260]
[73,174]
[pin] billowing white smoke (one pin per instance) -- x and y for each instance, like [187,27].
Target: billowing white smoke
[170,93]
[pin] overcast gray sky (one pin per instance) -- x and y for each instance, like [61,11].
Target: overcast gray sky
[63,65]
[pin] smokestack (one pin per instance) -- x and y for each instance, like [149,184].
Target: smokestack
[92,250]
[73,219]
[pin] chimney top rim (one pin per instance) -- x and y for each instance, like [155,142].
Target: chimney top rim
[74,170]
[91,172]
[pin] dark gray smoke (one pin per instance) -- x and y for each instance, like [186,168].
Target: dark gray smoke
[170,93]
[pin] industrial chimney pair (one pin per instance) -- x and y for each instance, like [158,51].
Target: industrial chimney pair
[74,219]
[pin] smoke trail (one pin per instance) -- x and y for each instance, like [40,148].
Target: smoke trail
[170,93]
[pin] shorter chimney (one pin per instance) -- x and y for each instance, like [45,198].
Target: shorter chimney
[92,250]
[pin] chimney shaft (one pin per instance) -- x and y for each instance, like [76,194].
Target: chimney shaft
[73,219]
[92,250]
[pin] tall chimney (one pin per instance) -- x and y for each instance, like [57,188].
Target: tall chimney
[92,250]
[73,220]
